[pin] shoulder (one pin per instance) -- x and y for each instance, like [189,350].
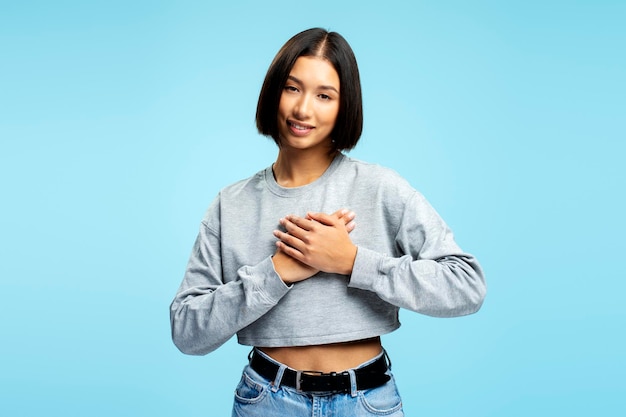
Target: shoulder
[377,176]
[238,194]
[245,185]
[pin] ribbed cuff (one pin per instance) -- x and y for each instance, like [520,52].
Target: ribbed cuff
[366,269]
[268,281]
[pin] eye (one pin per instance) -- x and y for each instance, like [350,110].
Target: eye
[324,97]
[291,88]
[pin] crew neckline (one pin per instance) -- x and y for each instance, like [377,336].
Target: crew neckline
[295,191]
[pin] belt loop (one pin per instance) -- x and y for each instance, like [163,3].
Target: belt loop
[353,388]
[279,378]
[387,359]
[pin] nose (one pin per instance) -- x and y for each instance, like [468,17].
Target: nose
[302,108]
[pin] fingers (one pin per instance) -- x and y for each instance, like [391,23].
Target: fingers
[348,217]
[290,251]
[303,223]
[345,215]
[296,239]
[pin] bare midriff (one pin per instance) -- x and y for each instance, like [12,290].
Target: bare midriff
[335,357]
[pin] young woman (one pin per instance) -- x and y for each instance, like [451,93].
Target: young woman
[280,261]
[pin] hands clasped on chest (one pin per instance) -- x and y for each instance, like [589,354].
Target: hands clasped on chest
[316,242]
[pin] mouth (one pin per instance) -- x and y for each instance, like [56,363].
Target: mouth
[299,129]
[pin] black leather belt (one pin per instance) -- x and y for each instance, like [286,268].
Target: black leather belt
[367,377]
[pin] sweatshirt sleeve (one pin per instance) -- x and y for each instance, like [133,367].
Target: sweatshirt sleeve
[432,275]
[208,308]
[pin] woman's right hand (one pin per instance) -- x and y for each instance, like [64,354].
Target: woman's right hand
[291,270]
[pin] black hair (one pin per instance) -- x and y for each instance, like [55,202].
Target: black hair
[336,50]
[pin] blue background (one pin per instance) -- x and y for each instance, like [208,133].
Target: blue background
[120,121]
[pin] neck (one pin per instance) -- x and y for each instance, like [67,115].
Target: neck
[295,169]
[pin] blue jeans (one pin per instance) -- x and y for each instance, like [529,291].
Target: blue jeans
[256,396]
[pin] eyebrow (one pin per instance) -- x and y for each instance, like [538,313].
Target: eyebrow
[323,87]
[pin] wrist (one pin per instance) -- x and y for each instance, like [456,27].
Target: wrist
[348,264]
[291,270]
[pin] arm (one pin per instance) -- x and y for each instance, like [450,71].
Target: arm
[433,276]
[207,311]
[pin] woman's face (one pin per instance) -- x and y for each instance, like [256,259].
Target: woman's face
[309,105]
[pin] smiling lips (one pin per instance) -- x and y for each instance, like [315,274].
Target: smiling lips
[299,129]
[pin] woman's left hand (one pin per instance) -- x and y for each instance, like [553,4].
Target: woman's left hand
[319,240]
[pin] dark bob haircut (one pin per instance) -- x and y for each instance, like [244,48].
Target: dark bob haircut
[334,48]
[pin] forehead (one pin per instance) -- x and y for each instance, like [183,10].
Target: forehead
[315,71]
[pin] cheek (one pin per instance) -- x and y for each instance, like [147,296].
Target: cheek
[332,116]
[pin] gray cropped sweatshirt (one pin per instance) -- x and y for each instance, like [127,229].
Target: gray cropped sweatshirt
[406,258]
